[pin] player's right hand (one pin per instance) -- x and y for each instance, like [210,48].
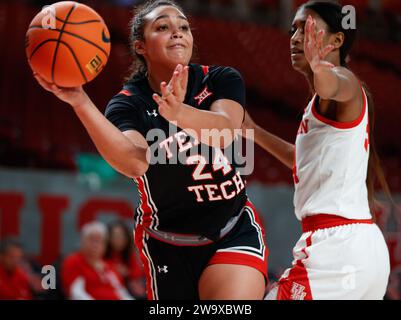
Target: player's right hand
[314,49]
[74,96]
[173,94]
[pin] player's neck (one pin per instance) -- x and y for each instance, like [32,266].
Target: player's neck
[157,76]
[309,79]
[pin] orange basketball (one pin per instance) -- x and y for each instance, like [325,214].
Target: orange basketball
[68,44]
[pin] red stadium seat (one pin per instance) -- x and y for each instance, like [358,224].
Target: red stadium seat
[392,6]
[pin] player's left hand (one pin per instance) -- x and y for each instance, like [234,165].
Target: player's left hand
[173,94]
[314,50]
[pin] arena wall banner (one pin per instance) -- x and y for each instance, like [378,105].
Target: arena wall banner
[46,210]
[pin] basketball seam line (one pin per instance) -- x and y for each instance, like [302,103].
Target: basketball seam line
[76,36]
[58,41]
[39,46]
[58,44]
[80,22]
[67,45]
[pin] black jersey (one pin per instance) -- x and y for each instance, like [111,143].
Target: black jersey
[185,194]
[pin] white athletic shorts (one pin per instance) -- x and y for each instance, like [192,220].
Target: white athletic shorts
[336,259]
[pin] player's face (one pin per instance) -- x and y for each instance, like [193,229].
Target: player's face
[12,258]
[298,59]
[168,38]
[118,239]
[94,245]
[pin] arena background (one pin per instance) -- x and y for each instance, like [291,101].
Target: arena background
[52,181]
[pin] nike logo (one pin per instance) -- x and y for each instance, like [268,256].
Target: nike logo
[105,38]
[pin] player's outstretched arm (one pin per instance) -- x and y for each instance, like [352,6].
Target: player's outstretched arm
[126,152]
[280,149]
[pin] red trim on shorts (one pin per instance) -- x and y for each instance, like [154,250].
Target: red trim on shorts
[322,221]
[125,92]
[139,236]
[340,125]
[240,259]
[296,286]
[243,258]
[147,210]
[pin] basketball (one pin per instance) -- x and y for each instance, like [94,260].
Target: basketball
[67,44]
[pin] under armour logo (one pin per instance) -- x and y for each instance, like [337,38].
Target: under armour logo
[297,291]
[153,113]
[164,269]
[203,95]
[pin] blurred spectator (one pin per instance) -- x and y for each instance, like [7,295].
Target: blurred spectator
[85,275]
[14,282]
[121,255]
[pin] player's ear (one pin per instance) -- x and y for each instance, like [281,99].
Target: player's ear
[139,47]
[337,40]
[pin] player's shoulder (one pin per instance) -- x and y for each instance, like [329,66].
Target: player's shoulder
[217,71]
[213,70]
[122,96]
[126,98]
[128,92]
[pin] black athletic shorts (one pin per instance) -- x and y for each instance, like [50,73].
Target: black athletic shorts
[173,271]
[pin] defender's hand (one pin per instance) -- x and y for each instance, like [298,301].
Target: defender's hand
[314,50]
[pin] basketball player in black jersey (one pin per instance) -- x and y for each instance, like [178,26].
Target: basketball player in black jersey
[198,234]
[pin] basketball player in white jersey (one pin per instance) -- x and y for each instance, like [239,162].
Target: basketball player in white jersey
[341,254]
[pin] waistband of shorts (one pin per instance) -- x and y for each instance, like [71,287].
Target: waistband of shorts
[323,221]
[190,239]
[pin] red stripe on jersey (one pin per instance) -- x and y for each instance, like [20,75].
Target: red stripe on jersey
[205,70]
[139,236]
[367,139]
[125,92]
[341,125]
[294,168]
[145,206]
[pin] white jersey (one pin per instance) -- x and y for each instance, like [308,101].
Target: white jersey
[330,168]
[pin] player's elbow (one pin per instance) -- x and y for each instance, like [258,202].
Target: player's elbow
[133,169]
[137,170]
[221,138]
